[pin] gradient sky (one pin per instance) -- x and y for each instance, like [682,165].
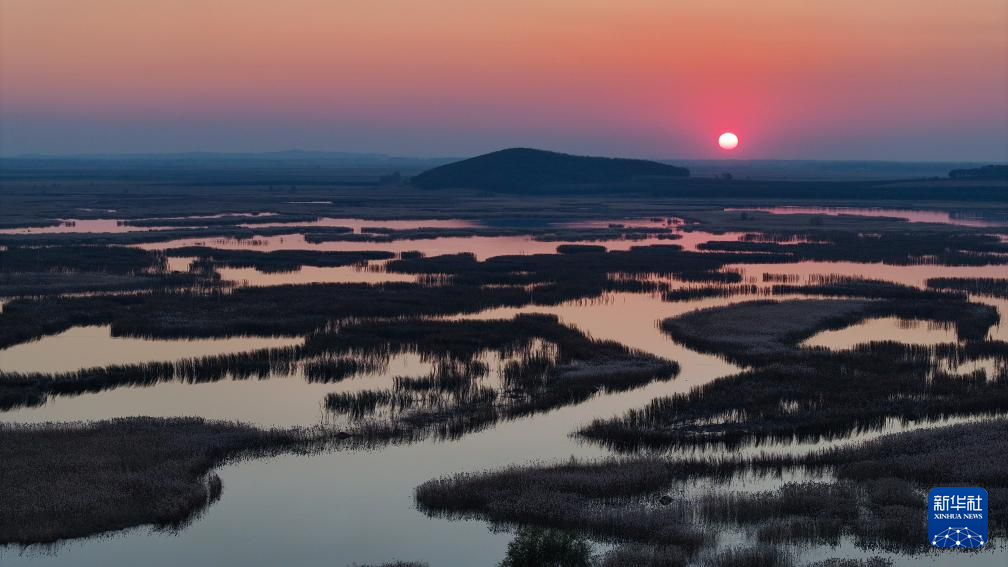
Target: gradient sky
[851,79]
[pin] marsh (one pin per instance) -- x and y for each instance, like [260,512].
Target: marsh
[369,374]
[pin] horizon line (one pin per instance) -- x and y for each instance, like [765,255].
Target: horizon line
[378,154]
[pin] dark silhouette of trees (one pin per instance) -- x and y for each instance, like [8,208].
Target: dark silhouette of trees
[985,172]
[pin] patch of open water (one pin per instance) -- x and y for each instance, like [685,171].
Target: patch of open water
[94,346]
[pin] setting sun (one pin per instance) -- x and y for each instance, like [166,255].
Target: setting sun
[727,141]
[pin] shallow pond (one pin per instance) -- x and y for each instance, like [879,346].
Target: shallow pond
[884,329]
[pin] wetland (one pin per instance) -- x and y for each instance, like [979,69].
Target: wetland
[357,374]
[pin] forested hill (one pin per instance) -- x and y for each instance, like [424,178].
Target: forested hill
[521,170]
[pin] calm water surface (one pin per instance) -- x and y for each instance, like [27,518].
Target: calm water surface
[89,347]
[251,277]
[68,226]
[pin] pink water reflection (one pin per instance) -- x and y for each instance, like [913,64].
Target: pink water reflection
[94,346]
[914,332]
[482,247]
[68,226]
[358,224]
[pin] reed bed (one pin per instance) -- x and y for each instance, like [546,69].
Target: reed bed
[124,239]
[50,283]
[280,260]
[828,397]
[31,389]
[877,561]
[532,503]
[798,394]
[750,556]
[995,287]
[276,310]
[639,555]
[78,258]
[761,330]
[223,220]
[950,248]
[543,365]
[72,480]
[875,499]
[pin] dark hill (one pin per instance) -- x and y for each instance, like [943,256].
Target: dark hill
[523,169]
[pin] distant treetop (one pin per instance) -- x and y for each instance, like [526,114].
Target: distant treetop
[518,170]
[985,172]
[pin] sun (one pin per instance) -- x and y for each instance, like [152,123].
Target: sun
[727,141]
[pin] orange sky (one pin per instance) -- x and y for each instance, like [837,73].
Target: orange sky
[875,79]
